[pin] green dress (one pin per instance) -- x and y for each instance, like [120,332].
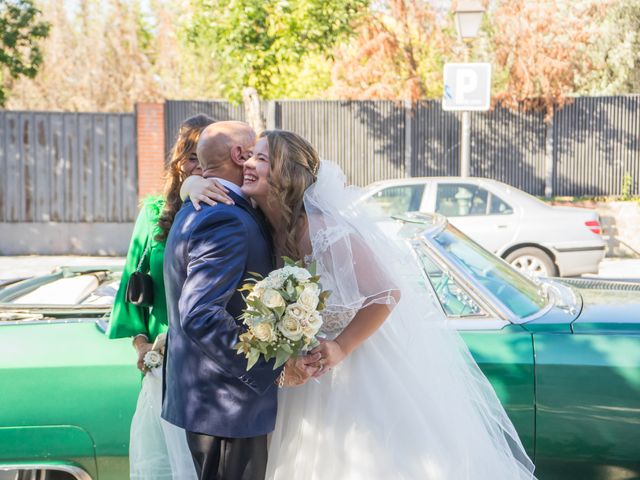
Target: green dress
[128,320]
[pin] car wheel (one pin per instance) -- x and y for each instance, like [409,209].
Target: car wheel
[532,262]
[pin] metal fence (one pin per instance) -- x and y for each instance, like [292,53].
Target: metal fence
[67,167]
[81,167]
[596,142]
[587,149]
[175,111]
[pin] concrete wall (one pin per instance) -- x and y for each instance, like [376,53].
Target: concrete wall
[621,224]
[111,239]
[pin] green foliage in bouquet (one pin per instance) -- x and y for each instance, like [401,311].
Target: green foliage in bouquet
[282,317]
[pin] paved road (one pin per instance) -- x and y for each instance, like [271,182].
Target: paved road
[28,266]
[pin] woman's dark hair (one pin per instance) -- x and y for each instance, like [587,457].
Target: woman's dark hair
[174,175]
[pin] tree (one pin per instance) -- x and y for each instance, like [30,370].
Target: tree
[399,52]
[616,54]
[94,60]
[541,50]
[20,32]
[264,43]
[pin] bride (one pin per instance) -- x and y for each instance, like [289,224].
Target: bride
[397,394]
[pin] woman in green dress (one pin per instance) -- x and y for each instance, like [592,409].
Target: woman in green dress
[157,450]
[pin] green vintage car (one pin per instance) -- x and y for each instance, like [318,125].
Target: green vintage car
[564,358]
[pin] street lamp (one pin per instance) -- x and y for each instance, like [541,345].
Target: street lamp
[468,17]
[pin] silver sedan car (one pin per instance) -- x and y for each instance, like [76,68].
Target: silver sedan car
[536,238]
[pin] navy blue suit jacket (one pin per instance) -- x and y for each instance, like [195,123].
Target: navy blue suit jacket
[208,255]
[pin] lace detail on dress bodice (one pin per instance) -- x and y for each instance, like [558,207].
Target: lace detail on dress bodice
[333,322]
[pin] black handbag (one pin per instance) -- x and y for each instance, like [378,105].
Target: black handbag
[139,290]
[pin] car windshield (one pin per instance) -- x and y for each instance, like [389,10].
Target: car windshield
[399,199]
[519,294]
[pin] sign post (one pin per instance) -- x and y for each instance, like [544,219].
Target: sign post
[467,87]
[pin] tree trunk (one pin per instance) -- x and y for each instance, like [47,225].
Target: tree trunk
[252,109]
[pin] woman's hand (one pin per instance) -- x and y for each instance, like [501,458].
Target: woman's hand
[142,347]
[205,190]
[331,353]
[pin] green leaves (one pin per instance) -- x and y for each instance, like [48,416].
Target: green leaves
[20,32]
[323,299]
[252,359]
[288,262]
[260,40]
[281,358]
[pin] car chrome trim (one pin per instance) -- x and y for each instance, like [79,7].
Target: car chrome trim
[465,280]
[78,472]
[41,321]
[55,309]
[629,284]
[22,288]
[465,283]
[102,325]
[463,324]
[580,249]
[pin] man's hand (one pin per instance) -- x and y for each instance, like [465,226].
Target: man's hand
[299,370]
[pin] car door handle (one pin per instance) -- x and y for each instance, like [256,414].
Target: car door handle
[503,226]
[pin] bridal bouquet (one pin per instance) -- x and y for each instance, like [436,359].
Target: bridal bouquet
[282,317]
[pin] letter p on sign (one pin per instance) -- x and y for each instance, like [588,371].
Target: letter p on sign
[467,86]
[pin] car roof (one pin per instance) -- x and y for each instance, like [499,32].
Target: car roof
[412,180]
[481,181]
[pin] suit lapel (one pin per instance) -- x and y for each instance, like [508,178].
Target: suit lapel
[258,216]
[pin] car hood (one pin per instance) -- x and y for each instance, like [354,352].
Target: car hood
[607,306]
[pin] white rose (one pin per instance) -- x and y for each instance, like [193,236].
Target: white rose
[309,299]
[275,279]
[264,332]
[259,288]
[313,287]
[253,296]
[152,359]
[290,325]
[297,311]
[272,299]
[300,274]
[312,323]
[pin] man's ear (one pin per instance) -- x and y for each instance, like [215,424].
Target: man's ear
[236,155]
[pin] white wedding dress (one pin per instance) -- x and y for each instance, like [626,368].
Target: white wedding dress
[158,450]
[410,402]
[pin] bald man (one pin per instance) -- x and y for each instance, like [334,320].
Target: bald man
[226,410]
[222,150]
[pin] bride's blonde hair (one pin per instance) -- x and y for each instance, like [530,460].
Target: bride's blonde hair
[294,167]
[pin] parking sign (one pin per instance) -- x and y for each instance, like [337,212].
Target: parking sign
[467,86]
